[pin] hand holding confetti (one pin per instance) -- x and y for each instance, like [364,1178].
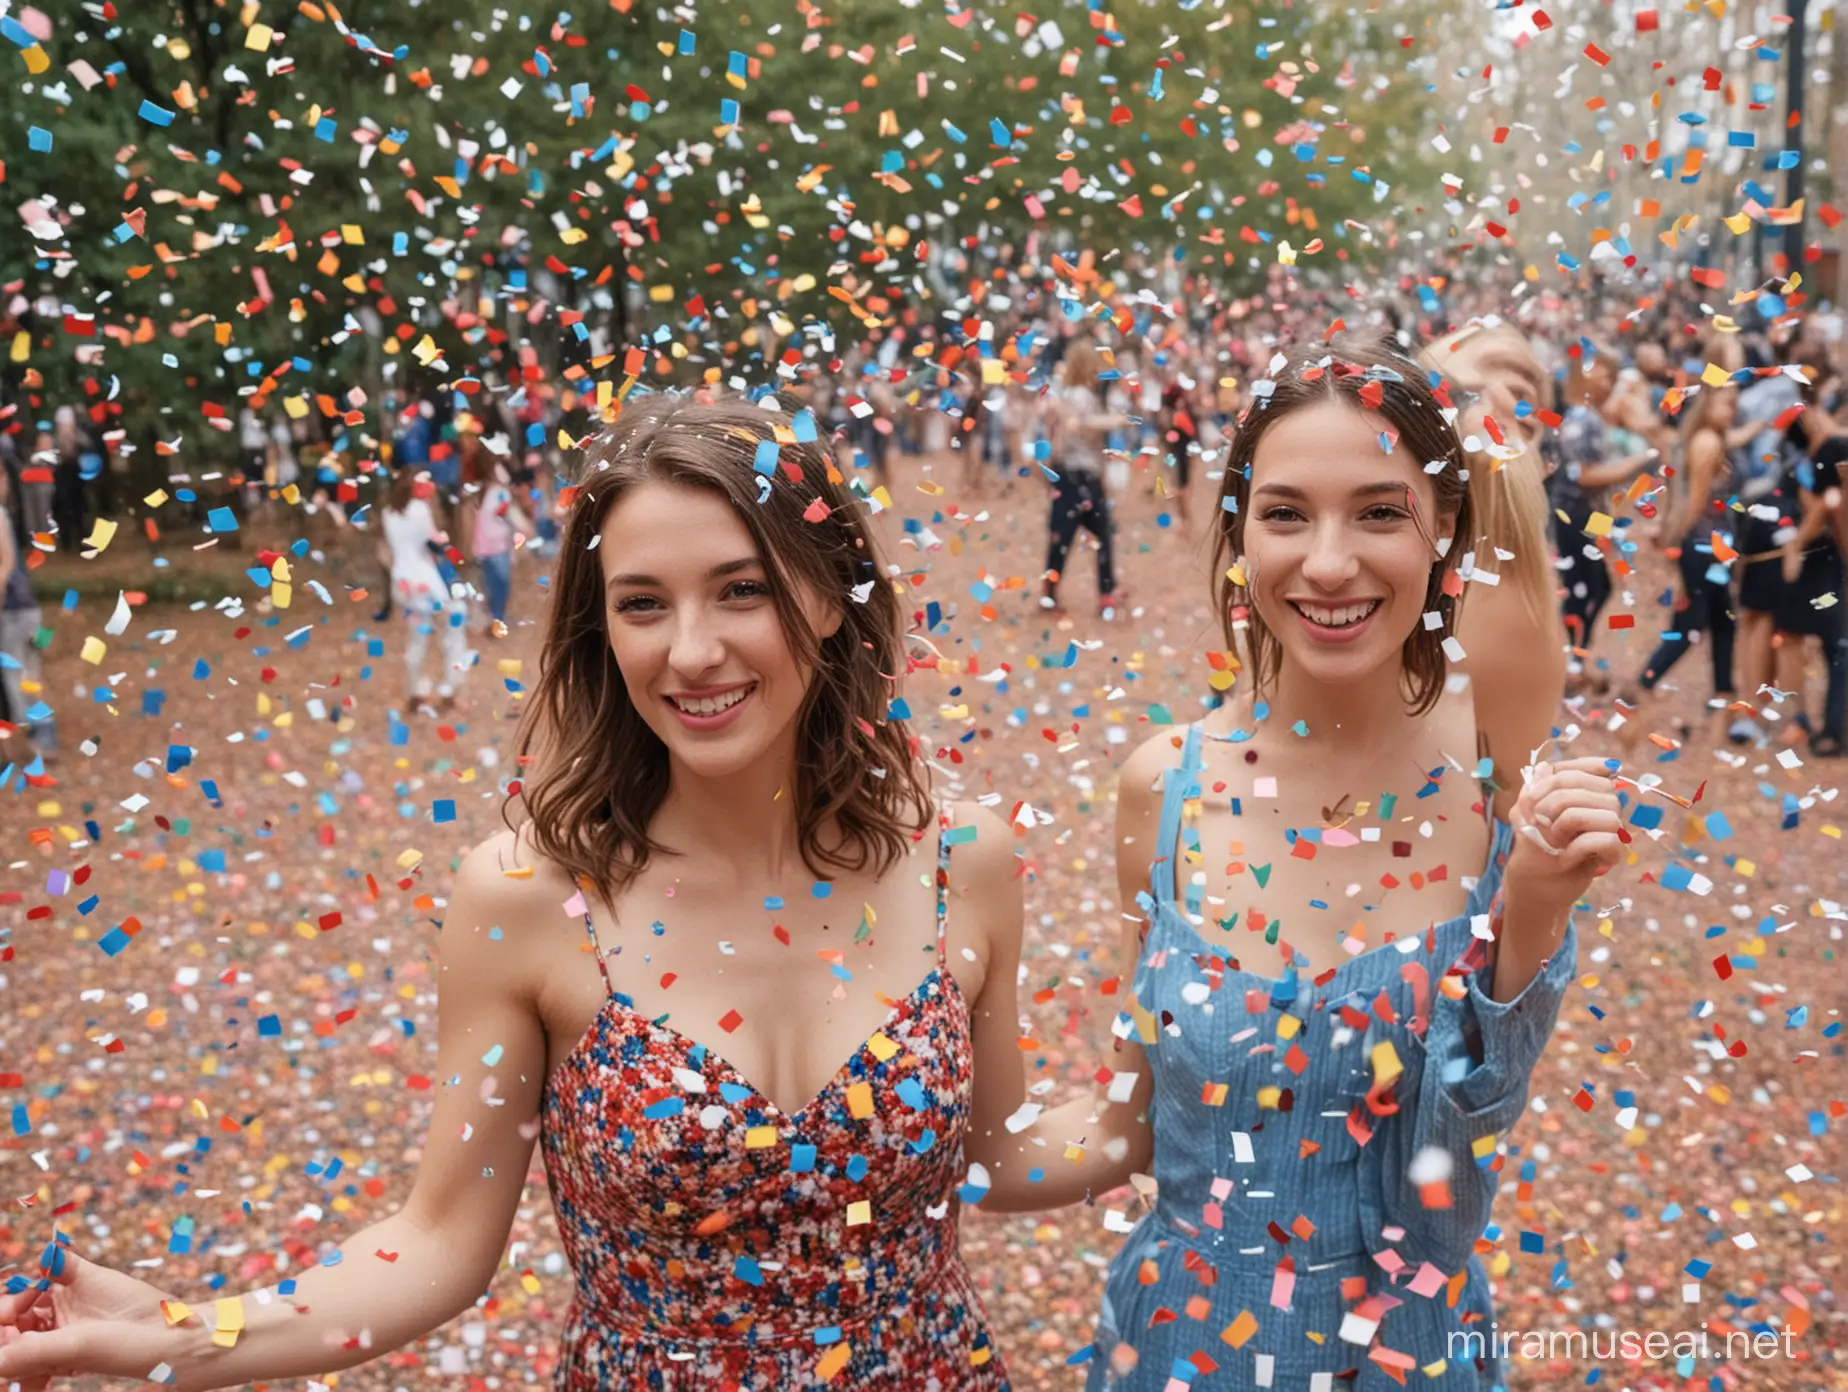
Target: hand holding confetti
[1568,831]
[77,1317]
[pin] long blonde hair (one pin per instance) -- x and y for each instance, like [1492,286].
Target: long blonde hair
[1507,496]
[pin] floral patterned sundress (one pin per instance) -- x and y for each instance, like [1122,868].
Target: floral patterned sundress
[718,1243]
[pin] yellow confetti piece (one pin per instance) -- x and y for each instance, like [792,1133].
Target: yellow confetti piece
[1713,375]
[1268,1097]
[1288,1025]
[882,1048]
[94,649]
[22,345]
[175,1312]
[37,60]
[1239,1332]
[1598,525]
[860,1101]
[759,1137]
[1482,1145]
[257,37]
[230,1321]
[156,498]
[426,351]
[1386,1065]
[100,535]
[859,1213]
[833,1361]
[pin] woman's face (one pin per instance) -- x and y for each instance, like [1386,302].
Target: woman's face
[1502,370]
[695,631]
[1337,559]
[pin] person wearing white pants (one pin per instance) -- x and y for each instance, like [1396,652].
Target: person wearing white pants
[428,601]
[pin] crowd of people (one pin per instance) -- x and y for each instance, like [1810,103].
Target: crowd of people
[1033,387]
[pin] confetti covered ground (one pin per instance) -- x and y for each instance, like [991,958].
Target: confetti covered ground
[245,1079]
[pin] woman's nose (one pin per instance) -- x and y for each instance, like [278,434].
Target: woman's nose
[697,646]
[1331,559]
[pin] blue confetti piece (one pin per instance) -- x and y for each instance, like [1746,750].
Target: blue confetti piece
[221,519]
[155,115]
[443,810]
[765,460]
[38,139]
[269,1027]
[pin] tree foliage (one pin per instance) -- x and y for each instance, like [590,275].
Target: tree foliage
[219,200]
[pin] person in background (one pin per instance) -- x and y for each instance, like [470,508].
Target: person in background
[499,526]
[1080,498]
[1513,642]
[419,589]
[252,456]
[1773,440]
[70,497]
[20,620]
[281,468]
[1698,512]
[1180,430]
[1589,468]
[1811,603]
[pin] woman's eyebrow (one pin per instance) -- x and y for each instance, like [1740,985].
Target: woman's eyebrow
[723,568]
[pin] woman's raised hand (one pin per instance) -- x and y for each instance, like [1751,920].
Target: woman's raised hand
[80,1318]
[1569,830]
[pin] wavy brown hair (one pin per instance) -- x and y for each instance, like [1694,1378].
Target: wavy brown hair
[1408,404]
[596,774]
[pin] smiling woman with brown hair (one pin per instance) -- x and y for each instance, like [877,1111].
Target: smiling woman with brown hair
[1346,959]
[759,1106]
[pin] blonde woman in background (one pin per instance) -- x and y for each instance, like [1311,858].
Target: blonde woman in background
[1510,630]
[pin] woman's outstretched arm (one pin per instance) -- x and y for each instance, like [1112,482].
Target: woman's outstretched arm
[396,1280]
[1089,1144]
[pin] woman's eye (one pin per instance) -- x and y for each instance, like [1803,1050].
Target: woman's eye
[1282,514]
[1384,512]
[747,589]
[636,604]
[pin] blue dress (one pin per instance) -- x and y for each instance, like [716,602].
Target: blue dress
[1325,1155]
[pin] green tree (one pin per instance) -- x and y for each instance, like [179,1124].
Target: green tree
[228,201]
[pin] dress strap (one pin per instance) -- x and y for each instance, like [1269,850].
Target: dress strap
[1181,783]
[596,948]
[943,889]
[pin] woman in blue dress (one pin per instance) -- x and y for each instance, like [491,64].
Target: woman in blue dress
[1346,958]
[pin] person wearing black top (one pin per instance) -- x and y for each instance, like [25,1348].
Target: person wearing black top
[1811,601]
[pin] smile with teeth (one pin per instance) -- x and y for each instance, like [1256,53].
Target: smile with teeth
[1341,617]
[711,705]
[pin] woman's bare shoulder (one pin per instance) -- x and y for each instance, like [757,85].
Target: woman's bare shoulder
[505,877]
